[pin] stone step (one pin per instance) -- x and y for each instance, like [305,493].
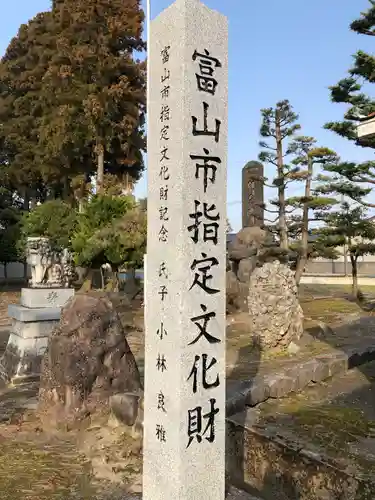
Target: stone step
[274,463]
[233,494]
[296,376]
[236,494]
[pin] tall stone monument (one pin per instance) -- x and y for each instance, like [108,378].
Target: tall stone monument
[184,422]
[252,194]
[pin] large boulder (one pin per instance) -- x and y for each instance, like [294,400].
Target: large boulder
[275,314]
[88,361]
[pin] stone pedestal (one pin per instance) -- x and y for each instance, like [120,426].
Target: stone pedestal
[32,323]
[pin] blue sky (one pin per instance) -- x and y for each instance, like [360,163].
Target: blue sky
[290,49]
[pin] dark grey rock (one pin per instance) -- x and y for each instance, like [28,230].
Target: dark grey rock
[88,360]
[125,407]
[245,268]
[238,251]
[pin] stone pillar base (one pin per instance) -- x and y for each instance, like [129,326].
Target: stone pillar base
[27,342]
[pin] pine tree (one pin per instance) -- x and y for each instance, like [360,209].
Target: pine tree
[350,91]
[312,206]
[94,89]
[350,226]
[279,125]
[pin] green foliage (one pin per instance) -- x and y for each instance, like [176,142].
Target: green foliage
[71,89]
[349,226]
[10,216]
[279,125]
[94,89]
[349,90]
[21,73]
[307,157]
[109,230]
[347,179]
[53,219]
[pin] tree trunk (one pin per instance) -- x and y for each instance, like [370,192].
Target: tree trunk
[305,224]
[5,272]
[281,188]
[355,290]
[100,172]
[26,207]
[26,200]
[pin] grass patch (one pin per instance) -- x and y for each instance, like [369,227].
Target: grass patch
[329,310]
[29,471]
[315,290]
[328,426]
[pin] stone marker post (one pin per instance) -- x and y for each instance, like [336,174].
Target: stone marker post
[253,194]
[184,422]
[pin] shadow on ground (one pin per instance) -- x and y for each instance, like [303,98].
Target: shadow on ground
[334,420]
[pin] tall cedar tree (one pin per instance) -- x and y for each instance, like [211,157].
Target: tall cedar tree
[310,206]
[360,106]
[21,72]
[279,125]
[94,89]
[349,226]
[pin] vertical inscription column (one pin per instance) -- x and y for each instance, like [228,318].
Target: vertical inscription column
[184,440]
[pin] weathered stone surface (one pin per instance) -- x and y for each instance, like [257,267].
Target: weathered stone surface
[238,251]
[252,247]
[125,407]
[280,385]
[35,298]
[26,346]
[232,287]
[259,392]
[48,268]
[181,459]
[87,361]
[27,315]
[252,236]
[241,299]
[252,194]
[262,459]
[275,314]
[295,377]
[245,268]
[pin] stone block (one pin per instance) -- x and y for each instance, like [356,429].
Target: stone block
[280,385]
[28,340]
[339,363]
[23,357]
[36,298]
[322,369]
[25,314]
[303,373]
[33,329]
[259,392]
